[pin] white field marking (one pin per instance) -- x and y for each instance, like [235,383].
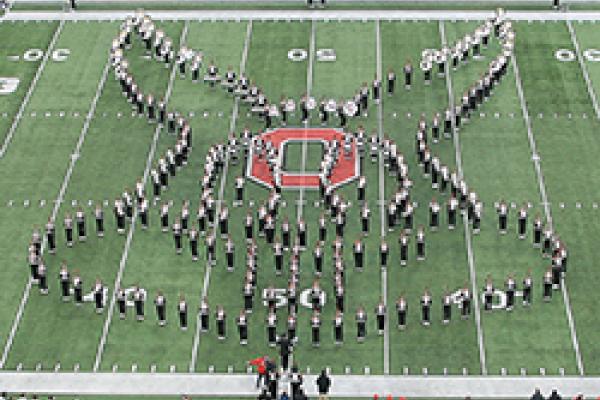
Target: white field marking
[129,239]
[309,84]
[470,257]
[32,86]
[232,126]
[59,200]
[386,332]
[584,70]
[305,15]
[544,196]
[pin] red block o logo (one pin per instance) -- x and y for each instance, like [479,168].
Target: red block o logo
[345,169]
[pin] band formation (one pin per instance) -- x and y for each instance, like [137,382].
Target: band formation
[202,230]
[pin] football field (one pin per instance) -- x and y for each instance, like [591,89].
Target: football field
[70,139]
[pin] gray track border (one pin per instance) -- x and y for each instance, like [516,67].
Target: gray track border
[240,385]
[304,15]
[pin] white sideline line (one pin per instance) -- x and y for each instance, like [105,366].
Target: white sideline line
[386,332]
[57,204]
[470,257]
[305,15]
[32,86]
[129,239]
[232,125]
[309,84]
[584,70]
[544,196]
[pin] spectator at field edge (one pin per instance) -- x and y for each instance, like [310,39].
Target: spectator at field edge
[554,395]
[323,384]
[537,395]
[261,368]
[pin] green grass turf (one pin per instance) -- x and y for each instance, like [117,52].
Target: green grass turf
[354,44]
[267,62]
[33,167]
[294,154]
[446,265]
[35,36]
[101,262]
[496,255]
[38,36]
[151,258]
[577,226]
[496,160]
[568,151]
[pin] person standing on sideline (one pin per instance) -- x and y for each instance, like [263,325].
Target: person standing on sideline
[261,370]
[537,395]
[323,385]
[285,349]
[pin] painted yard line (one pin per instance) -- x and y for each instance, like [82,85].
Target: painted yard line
[131,230]
[470,258]
[584,70]
[386,332]
[232,127]
[304,15]
[544,196]
[57,204]
[309,84]
[32,86]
